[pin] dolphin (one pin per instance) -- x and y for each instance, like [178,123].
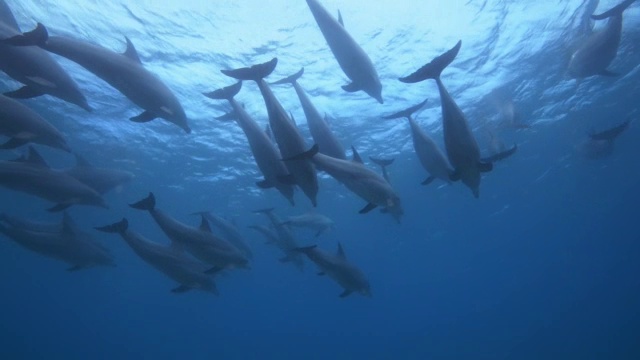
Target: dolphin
[431,157]
[273,239]
[34,67]
[124,72]
[169,260]
[311,220]
[320,131]
[462,149]
[39,180]
[284,239]
[597,51]
[599,145]
[264,151]
[352,59]
[286,133]
[62,241]
[229,232]
[201,243]
[23,125]
[383,163]
[359,179]
[338,268]
[100,179]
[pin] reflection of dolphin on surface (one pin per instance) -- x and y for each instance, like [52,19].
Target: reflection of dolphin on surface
[600,144]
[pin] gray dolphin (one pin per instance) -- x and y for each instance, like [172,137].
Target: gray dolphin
[263,149]
[359,179]
[198,241]
[229,232]
[124,72]
[284,240]
[338,268]
[355,63]
[597,51]
[462,149]
[34,67]
[318,127]
[56,186]
[310,220]
[599,145]
[169,260]
[23,125]
[286,133]
[62,241]
[100,179]
[431,157]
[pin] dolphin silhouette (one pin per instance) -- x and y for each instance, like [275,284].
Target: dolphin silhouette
[283,239]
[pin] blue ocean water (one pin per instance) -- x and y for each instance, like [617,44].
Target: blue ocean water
[544,265]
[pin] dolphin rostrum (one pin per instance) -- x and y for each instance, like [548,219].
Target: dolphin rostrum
[355,63]
[229,232]
[284,239]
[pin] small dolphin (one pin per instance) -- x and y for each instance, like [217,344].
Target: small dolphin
[124,72]
[462,149]
[383,163]
[229,232]
[289,140]
[169,260]
[23,125]
[338,268]
[355,63]
[359,179]
[597,52]
[311,220]
[318,127]
[100,179]
[34,67]
[263,149]
[600,144]
[199,242]
[284,240]
[62,241]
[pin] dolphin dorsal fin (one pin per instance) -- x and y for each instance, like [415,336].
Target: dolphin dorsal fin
[68,225]
[340,253]
[81,161]
[34,158]
[204,225]
[356,156]
[340,19]
[131,52]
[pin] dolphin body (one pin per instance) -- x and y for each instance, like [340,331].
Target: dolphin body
[355,63]
[462,149]
[283,239]
[23,125]
[311,220]
[62,241]
[169,260]
[34,67]
[200,242]
[229,232]
[264,151]
[286,133]
[318,127]
[102,180]
[38,179]
[359,179]
[431,157]
[597,52]
[124,72]
[338,268]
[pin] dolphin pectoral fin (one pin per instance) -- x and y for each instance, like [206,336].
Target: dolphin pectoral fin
[608,73]
[13,143]
[214,270]
[144,117]
[428,180]
[321,273]
[287,179]
[454,176]
[345,293]
[59,207]
[485,166]
[352,87]
[367,208]
[75,268]
[180,289]
[25,92]
[265,184]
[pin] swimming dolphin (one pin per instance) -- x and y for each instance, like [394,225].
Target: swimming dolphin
[383,163]
[23,125]
[597,52]
[284,240]
[62,241]
[229,232]
[462,149]
[600,144]
[169,260]
[198,241]
[124,72]
[34,67]
[431,157]
[355,63]
[100,179]
[338,268]
[263,149]
[311,220]
[39,180]
[359,179]
[286,133]
[273,239]
[318,127]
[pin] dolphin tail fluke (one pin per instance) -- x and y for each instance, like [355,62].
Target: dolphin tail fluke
[433,69]
[612,133]
[35,37]
[615,11]
[501,155]
[381,161]
[255,72]
[225,93]
[406,113]
[289,79]
[148,203]
[305,155]
[119,227]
